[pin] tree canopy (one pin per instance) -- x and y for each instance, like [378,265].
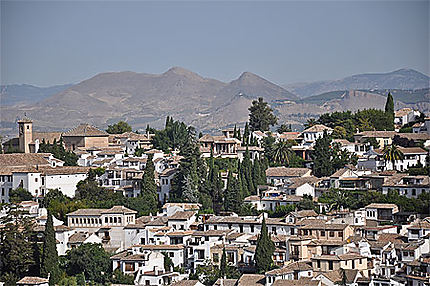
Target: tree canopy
[119,128]
[261,116]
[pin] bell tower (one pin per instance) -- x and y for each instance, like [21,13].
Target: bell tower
[25,127]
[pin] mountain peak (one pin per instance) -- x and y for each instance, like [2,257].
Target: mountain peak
[180,71]
[248,75]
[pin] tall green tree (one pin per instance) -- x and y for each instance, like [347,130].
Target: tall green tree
[322,157]
[246,134]
[264,250]
[233,194]
[246,171]
[389,108]
[119,128]
[223,265]
[49,267]
[149,188]
[392,154]
[261,116]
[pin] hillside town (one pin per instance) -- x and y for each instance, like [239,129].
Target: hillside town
[345,201]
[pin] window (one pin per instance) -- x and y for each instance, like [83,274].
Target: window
[240,228]
[318,264]
[252,228]
[353,264]
[414,192]
[330,265]
[322,233]
[340,234]
[331,233]
[2,191]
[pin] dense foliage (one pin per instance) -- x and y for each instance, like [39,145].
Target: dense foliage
[328,157]
[119,128]
[91,260]
[19,253]
[364,120]
[174,136]
[336,198]
[58,151]
[19,194]
[261,116]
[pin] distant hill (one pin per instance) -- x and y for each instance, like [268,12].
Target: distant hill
[143,99]
[205,103]
[403,79]
[24,93]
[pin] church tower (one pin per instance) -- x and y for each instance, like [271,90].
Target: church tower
[25,127]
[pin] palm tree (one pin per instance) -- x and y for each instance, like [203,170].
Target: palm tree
[282,153]
[392,154]
[310,122]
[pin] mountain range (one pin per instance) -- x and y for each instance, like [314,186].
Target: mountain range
[208,104]
[403,79]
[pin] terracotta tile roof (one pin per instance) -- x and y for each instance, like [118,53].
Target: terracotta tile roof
[85,130]
[94,212]
[300,181]
[325,226]
[78,237]
[212,232]
[185,206]
[414,136]
[33,280]
[251,280]
[168,172]
[119,210]
[225,282]
[218,139]
[182,215]
[381,206]
[337,275]
[412,150]
[292,267]
[24,159]
[286,172]
[378,134]
[317,128]
[300,282]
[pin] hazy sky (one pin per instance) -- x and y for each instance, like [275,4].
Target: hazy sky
[55,42]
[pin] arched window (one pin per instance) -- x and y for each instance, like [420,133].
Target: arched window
[106,220]
[114,220]
[119,219]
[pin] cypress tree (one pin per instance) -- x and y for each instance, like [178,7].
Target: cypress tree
[389,111]
[223,265]
[234,132]
[246,134]
[238,134]
[247,171]
[264,250]
[49,265]
[149,188]
[233,194]
[322,157]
